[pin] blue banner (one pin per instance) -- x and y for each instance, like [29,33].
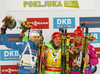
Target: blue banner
[64,22]
[92,22]
[11,37]
[9,55]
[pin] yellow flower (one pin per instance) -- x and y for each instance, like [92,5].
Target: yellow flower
[29,25]
[11,18]
[23,23]
[76,51]
[70,51]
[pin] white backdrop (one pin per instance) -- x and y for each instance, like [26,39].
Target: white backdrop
[22,15]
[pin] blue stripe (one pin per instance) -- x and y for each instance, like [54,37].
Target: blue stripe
[26,67]
[33,53]
[86,69]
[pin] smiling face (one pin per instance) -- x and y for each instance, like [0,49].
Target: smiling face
[78,39]
[35,39]
[57,41]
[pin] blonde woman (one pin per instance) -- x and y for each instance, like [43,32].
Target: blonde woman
[78,43]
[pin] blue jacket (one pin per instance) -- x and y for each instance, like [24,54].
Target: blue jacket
[21,48]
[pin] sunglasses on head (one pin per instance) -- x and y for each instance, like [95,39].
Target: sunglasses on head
[34,31]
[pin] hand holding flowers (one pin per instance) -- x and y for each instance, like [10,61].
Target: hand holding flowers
[9,22]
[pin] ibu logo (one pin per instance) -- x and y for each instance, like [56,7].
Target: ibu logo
[97,36]
[68,22]
[9,55]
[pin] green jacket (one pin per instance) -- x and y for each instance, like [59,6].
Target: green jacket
[51,45]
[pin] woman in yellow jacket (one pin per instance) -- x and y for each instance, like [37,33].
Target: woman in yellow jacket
[53,55]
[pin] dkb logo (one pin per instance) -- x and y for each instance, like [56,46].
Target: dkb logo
[9,55]
[68,22]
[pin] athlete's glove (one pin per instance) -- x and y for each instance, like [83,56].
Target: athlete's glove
[3,29]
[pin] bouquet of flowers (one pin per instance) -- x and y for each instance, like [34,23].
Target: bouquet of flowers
[9,22]
[74,53]
[25,26]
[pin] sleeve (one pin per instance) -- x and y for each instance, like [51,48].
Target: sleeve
[93,58]
[46,50]
[25,38]
[13,45]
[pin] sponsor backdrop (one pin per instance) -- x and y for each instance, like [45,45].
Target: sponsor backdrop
[48,15]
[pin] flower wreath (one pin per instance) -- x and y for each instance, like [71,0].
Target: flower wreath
[9,22]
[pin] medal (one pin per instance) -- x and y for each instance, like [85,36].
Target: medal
[54,63]
[33,60]
[32,70]
[76,67]
[54,56]
[55,53]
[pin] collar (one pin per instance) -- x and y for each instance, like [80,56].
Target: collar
[51,45]
[34,43]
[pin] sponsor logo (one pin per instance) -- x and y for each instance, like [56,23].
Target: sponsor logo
[71,3]
[9,55]
[42,4]
[39,23]
[93,22]
[12,69]
[9,70]
[64,22]
[57,3]
[27,67]
[11,37]
[97,50]
[97,36]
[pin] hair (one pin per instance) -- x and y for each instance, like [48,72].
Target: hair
[82,44]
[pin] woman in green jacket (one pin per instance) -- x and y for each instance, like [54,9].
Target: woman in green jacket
[53,55]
